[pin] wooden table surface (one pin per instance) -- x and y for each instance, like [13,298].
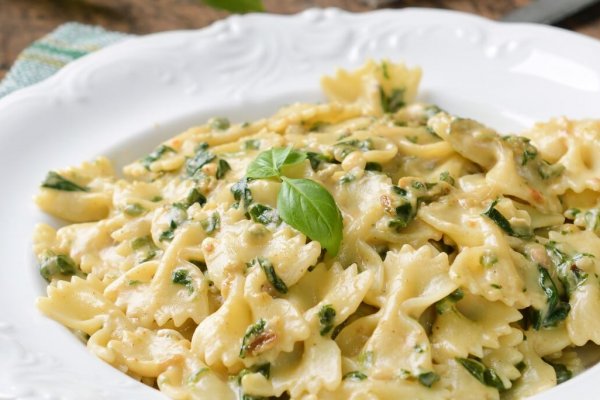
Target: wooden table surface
[23,21]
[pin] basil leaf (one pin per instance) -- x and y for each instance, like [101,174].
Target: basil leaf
[58,182]
[310,208]
[268,164]
[237,6]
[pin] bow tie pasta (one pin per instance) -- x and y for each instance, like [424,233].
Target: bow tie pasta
[370,247]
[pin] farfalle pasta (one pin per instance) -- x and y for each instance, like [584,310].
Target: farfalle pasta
[370,247]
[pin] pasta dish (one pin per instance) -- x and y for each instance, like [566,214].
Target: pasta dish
[367,247]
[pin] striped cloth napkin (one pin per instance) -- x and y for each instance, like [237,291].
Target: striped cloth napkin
[44,57]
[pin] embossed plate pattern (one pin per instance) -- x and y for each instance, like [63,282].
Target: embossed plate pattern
[120,101]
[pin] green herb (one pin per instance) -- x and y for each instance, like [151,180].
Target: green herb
[427,379]
[326,317]
[237,6]
[530,153]
[54,265]
[270,273]
[310,208]
[251,334]
[342,149]
[521,366]
[412,139]
[57,182]
[563,374]
[181,277]
[241,192]
[373,166]
[384,70]
[156,199]
[141,242]
[566,268]
[263,369]
[449,301]
[354,376]
[407,200]
[193,197]
[446,177]
[483,374]
[134,209]
[156,155]
[195,377]
[557,310]
[222,168]
[488,259]
[200,159]
[316,159]
[269,163]
[392,102]
[251,144]
[432,110]
[347,179]
[549,171]
[263,214]
[219,123]
[317,126]
[134,282]
[592,219]
[503,223]
[496,286]
[365,358]
[169,234]
[212,223]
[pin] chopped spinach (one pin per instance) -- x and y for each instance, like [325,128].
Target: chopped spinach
[134,210]
[326,317]
[354,376]
[446,177]
[241,192]
[557,310]
[373,166]
[263,214]
[251,334]
[392,102]
[202,157]
[182,277]
[316,159]
[563,374]
[251,144]
[485,375]
[496,216]
[427,379]
[222,168]
[212,223]
[566,268]
[57,182]
[270,273]
[54,265]
[342,149]
[156,155]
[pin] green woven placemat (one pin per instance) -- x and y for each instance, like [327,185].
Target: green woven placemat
[44,57]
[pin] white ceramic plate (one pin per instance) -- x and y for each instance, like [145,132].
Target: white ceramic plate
[122,100]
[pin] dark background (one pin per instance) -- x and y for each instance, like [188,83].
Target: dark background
[23,21]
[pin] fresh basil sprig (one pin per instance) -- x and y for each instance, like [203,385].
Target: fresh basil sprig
[302,203]
[310,208]
[269,163]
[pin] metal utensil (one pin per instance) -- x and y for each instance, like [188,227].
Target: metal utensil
[547,11]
